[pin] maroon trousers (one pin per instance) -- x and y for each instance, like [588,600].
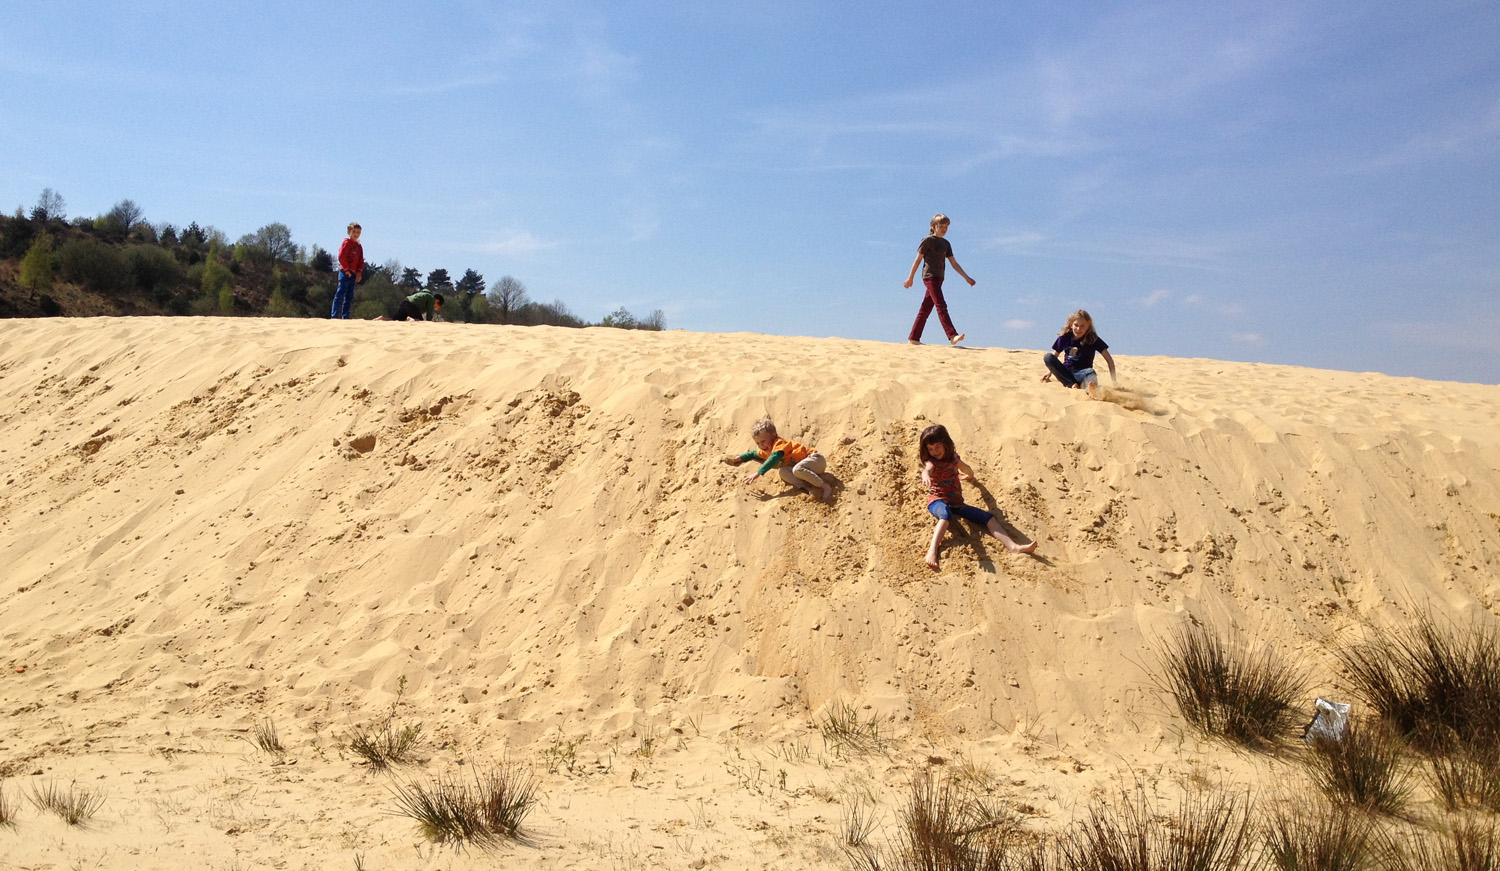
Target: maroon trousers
[933,299]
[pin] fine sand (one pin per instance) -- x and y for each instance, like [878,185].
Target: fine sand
[524,541]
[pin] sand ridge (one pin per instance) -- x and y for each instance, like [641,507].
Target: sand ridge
[210,521]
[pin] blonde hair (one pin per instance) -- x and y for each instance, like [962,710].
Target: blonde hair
[939,218]
[764,426]
[352,227]
[1089,337]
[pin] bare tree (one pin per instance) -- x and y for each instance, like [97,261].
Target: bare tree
[506,296]
[49,207]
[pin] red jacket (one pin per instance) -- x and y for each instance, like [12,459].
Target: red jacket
[352,258]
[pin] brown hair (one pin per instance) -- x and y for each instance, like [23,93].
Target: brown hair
[352,227]
[762,427]
[939,218]
[936,433]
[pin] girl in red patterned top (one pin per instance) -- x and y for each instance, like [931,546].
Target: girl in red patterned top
[944,472]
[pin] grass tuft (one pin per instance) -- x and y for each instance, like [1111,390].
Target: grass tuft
[1433,685]
[945,825]
[1464,775]
[1328,838]
[265,737]
[1468,845]
[1245,698]
[483,810]
[844,731]
[7,813]
[1207,832]
[1366,768]
[75,804]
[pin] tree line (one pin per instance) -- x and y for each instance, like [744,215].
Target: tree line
[120,263]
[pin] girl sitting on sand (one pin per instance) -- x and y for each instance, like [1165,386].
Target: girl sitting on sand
[1078,343]
[944,472]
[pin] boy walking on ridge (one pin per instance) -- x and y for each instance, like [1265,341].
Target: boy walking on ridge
[799,465]
[935,253]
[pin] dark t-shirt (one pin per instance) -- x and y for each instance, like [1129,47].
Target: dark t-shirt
[935,252]
[1074,355]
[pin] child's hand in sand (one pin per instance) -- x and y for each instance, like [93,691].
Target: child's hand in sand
[732,460]
[1047,377]
[750,479]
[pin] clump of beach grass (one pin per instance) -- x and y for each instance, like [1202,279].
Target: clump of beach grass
[1208,831]
[944,825]
[75,804]
[1226,692]
[1321,837]
[1366,767]
[844,730]
[488,806]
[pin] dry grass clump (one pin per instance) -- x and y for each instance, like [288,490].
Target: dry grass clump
[844,731]
[459,811]
[1321,838]
[7,813]
[75,804]
[1247,698]
[1367,767]
[945,826]
[1466,776]
[1433,685]
[265,737]
[1210,832]
[385,743]
[1469,845]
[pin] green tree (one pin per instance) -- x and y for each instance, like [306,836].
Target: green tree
[154,271]
[411,279]
[471,283]
[36,266]
[217,282]
[93,264]
[620,318]
[438,281]
[272,242]
[321,261]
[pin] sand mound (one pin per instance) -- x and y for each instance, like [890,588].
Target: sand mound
[205,522]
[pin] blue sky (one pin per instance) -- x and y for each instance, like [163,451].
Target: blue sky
[1311,183]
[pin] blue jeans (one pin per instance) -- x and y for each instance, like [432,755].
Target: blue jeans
[945,511]
[1065,376]
[343,295]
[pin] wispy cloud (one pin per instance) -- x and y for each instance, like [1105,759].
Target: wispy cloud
[518,244]
[1152,299]
[1248,338]
[1018,324]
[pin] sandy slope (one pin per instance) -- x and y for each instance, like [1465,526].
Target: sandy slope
[208,522]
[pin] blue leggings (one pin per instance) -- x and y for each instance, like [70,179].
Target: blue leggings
[945,511]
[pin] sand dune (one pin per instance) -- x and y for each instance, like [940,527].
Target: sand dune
[209,522]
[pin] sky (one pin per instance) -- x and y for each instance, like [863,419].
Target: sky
[1303,182]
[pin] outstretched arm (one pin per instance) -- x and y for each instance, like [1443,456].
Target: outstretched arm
[964,471]
[960,271]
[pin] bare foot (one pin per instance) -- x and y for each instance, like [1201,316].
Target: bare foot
[1021,548]
[827,492]
[956,339]
[932,562]
[912,342]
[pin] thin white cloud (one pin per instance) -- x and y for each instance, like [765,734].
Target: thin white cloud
[1248,338]
[1155,297]
[1018,324]
[518,244]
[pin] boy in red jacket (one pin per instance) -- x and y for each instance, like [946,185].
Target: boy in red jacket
[351,272]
